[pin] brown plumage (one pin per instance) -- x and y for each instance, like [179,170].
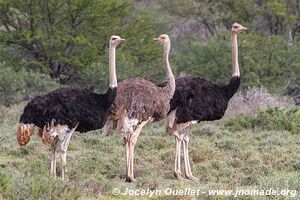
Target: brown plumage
[141,99]
[137,102]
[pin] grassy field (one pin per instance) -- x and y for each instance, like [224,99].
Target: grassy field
[221,158]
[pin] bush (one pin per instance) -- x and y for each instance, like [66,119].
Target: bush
[16,86]
[272,119]
[253,100]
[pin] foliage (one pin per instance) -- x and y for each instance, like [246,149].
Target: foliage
[268,51]
[212,14]
[67,40]
[267,61]
[16,86]
[274,17]
[62,38]
[271,119]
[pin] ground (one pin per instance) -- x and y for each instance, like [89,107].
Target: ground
[220,158]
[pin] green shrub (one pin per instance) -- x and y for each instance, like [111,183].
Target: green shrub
[16,86]
[272,119]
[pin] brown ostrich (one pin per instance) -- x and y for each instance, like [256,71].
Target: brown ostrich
[137,102]
[196,99]
[61,112]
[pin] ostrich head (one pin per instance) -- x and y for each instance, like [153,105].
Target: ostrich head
[115,40]
[163,39]
[237,28]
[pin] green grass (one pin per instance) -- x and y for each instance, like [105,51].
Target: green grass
[221,159]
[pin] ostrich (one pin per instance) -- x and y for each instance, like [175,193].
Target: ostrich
[196,99]
[59,113]
[137,102]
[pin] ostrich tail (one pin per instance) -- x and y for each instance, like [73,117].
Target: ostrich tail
[24,132]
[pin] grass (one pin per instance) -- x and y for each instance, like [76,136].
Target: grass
[221,158]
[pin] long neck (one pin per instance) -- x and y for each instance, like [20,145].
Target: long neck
[112,67]
[234,55]
[170,76]
[234,83]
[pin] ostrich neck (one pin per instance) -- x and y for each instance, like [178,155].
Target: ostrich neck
[234,55]
[112,67]
[170,76]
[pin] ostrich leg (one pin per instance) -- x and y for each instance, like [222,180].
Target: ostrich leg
[178,139]
[129,146]
[63,153]
[126,145]
[107,127]
[53,157]
[177,171]
[187,167]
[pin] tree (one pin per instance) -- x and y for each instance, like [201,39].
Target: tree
[22,85]
[63,38]
[269,49]
[214,15]
[268,61]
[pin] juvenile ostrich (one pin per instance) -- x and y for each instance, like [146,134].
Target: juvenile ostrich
[196,99]
[59,113]
[137,102]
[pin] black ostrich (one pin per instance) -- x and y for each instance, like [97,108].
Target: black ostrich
[59,113]
[196,100]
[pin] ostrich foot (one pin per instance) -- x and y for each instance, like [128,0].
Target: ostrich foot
[65,180]
[191,177]
[177,175]
[130,179]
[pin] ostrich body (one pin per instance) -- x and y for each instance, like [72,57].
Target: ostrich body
[196,99]
[137,102]
[59,113]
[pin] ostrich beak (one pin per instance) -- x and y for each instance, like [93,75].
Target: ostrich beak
[155,39]
[243,28]
[122,39]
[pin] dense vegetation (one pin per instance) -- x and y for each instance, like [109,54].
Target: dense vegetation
[64,43]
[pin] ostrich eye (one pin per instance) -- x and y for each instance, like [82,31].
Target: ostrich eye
[163,38]
[114,38]
[235,26]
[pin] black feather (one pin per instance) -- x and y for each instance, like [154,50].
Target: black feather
[67,106]
[197,99]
